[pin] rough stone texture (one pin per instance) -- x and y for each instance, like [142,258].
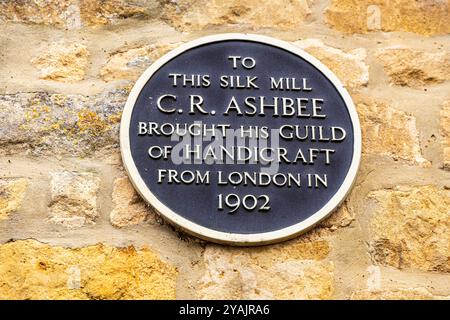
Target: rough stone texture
[350,67]
[290,271]
[45,123]
[445,132]
[73,14]
[383,242]
[190,15]
[129,208]
[74,198]
[426,17]
[95,12]
[390,132]
[12,192]
[61,61]
[411,228]
[56,12]
[342,217]
[414,68]
[33,270]
[395,294]
[129,63]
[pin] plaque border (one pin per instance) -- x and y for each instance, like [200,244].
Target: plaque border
[220,236]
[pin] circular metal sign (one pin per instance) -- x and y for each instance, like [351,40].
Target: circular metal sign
[241,139]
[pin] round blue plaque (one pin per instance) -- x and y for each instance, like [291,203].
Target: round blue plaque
[241,139]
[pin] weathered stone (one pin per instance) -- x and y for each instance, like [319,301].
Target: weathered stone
[129,63]
[74,14]
[74,198]
[44,123]
[350,67]
[413,68]
[190,15]
[53,12]
[64,62]
[411,228]
[289,271]
[360,16]
[342,217]
[95,12]
[445,132]
[32,270]
[390,132]
[12,192]
[128,207]
[393,294]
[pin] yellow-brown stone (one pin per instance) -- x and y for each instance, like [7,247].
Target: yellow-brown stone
[191,15]
[411,228]
[74,198]
[360,16]
[53,12]
[33,270]
[71,14]
[12,192]
[389,132]
[445,132]
[341,217]
[95,12]
[414,68]
[129,63]
[64,62]
[128,207]
[296,270]
[350,67]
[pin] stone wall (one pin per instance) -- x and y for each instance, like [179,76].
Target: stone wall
[71,225]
